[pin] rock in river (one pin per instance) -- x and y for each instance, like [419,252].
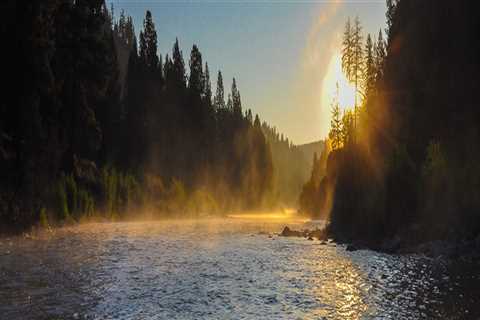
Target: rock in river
[287,232]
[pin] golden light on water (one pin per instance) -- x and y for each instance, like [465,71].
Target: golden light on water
[346,90]
[287,215]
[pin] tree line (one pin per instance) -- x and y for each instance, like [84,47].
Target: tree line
[96,122]
[410,169]
[362,63]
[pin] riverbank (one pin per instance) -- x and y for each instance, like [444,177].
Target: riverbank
[49,226]
[465,249]
[260,217]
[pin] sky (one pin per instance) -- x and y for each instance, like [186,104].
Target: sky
[279,52]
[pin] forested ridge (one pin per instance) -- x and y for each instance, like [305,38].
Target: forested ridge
[404,162]
[94,121]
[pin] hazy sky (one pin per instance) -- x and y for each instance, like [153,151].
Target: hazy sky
[278,51]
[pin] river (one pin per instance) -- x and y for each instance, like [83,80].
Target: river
[222,268]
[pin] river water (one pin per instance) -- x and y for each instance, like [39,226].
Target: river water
[229,268]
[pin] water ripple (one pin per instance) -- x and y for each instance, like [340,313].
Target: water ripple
[221,269]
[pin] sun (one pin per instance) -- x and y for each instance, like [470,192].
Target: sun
[346,91]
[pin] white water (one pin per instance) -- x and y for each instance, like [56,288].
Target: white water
[217,269]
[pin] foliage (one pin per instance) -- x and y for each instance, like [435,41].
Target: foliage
[89,96]
[335,134]
[412,170]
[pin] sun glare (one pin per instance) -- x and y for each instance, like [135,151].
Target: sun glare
[346,91]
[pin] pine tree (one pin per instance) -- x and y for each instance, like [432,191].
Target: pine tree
[379,56]
[150,39]
[357,58]
[122,24]
[347,49]
[370,68]
[207,86]
[143,48]
[219,101]
[335,123]
[130,32]
[196,80]
[347,128]
[391,6]
[352,56]
[112,16]
[236,100]
[178,65]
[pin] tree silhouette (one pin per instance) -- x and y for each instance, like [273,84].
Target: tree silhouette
[370,67]
[391,6]
[352,56]
[380,55]
[97,122]
[196,80]
[347,50]
[219,100]
[335,123]
[150,39]
[236,100]
[207,86]
[347,128]
[178,66]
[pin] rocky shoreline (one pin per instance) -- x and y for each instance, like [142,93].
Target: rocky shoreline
[448,249]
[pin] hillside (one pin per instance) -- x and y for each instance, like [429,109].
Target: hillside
[309,149]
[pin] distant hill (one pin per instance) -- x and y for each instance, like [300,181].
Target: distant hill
[309,149]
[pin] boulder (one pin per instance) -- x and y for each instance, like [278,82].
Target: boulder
[287,232]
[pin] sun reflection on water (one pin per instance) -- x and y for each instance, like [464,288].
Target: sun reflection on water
[340,290]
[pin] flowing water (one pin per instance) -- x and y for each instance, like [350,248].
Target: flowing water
[231,268]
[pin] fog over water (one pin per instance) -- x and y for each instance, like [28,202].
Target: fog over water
[225,268]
